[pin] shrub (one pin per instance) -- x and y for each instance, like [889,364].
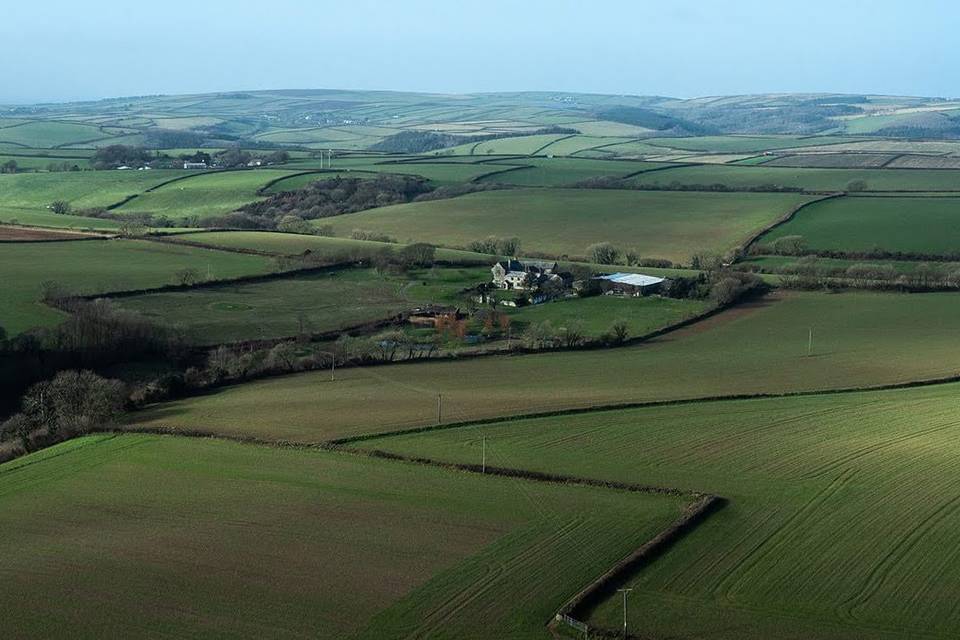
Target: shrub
[603,253]
[61,207]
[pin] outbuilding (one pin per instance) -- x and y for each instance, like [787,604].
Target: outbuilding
[629,284]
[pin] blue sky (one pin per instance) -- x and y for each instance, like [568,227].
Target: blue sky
[64,50]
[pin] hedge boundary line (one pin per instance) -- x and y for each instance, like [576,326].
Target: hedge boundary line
[785,218]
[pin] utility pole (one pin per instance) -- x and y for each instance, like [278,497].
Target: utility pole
[333,367]
[624,592]
[810,343]
[439,408]
[483,456]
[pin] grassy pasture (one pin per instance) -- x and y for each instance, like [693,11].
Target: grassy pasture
[438,172]
[251,540]
[204,194]
[671,225]
[324,302]
[522,145]
[551,172]
[287,244]
[82,189]
[813,179]
[596,314]
[49,133]
[743,144]
[842,519]
[99,266]
[925,162]
[859,339]
[40,162]
[775,264]
[834,160]
[574,144]
[43,218]
[918,225]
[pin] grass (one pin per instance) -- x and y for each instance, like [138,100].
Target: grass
[82,189]
[550,172]
[842,518]
[858,339]
[778,264]
[205,194]
[45,134]
[597,314]
[99,266]
[317,302]
[813,179]
[912,225]
[743,144]
[251,540]
[440,173]
[43,218]
[672,225]
[293,244]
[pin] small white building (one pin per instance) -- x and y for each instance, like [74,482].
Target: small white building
[630,284]
[194,165]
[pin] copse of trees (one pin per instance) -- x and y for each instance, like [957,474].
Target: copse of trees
[61,207]
[496,246]
[10,166]
[119,155]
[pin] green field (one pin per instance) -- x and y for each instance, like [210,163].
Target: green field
[45,134]
[858,339]
[551,172]
[287,244]
[788,264]
[671,225]
[910,225]
[317,302]
[43,218]
[743,144]
[596,315]
[842,519]
[97,266]
[812,179]
[206,194]
[153,536]
[82,189]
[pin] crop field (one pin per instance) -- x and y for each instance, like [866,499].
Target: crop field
[295,543]
[288,244]
[925,162]
[82,189]
[829,533]
[439,172]
[812,179]
[33,234]
[911,225]
[859,339]
[834,160]
[91,267]
[575,144]
[308,303]
[201,195]
[671,225]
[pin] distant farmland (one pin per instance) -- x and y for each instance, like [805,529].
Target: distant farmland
[560,221]
[295,544]
[842,517]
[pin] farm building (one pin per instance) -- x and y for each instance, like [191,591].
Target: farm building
[629,284]
[530,274]
[432,315]
[194,165]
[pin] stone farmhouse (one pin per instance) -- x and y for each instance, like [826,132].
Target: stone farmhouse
[528,275]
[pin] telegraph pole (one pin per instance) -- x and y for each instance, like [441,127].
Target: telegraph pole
[439,408]
[333,367]
[624,592]
[810,343]
[483,456]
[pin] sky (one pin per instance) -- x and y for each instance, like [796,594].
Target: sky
[61,50]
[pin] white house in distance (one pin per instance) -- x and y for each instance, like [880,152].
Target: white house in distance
[514,274]
[629,284]
[194,165]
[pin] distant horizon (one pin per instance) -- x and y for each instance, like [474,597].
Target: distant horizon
[682,49]
[467,93]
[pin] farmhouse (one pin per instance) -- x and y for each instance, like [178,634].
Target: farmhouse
[530,274]
[194,165]
[629,284]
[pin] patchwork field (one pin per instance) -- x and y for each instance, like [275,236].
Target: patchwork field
[292,244]
[98,266]
[34,191]
[828,533]
[858,339]
[549,172]
[910,225]
[250,540]
[206,194]
[812,179]
[672,225]
[308,303]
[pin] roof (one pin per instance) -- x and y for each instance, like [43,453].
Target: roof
[634,279]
